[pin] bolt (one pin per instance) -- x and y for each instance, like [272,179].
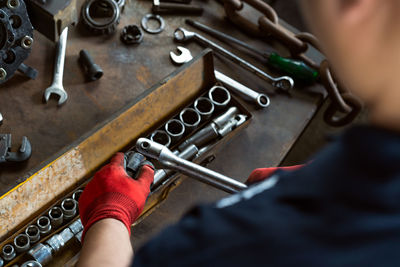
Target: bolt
[93,71]
[26,42]
[3,74]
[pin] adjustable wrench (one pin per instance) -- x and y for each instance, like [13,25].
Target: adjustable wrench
[171,161]
[57,86]
[284,82]
[261,100]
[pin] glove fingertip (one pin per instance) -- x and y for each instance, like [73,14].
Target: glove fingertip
[118,159]
[146,175]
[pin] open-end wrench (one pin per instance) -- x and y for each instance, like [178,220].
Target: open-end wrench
[261,100]
[284,82]
[57,85]
[171,161]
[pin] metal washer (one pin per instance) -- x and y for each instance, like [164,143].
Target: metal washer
[158,18]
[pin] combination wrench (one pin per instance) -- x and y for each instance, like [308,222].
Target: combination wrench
[57,86]
[284,82]
[261,100]
[171,161]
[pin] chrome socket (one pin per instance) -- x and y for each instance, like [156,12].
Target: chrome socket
[68,207]
[41,253]
[161,137]
[33,232]
[21,243]
[8,252]
[77,194]
[44,225]
[175,129]
[56,217]
[31,264]
[204,107]
[219,96]
[190,118]
[57,242]
[76,226]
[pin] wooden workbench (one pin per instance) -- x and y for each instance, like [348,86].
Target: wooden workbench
[128,72]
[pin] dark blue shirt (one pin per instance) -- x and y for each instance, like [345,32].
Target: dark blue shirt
[343,209]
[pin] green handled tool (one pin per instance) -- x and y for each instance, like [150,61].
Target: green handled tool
[295,68]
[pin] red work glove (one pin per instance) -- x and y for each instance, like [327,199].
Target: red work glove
[113,194]
[259,175]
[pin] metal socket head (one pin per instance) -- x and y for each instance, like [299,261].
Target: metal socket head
[57,242]
[8,252]
[76,226]
[161,137]
[44,225]
[175,129]
[32,231]
[41,253]
[219,96]
[204,107]
[68,207]
[31,264]
[21,243]
[77,194]
[56,217]
[190,118]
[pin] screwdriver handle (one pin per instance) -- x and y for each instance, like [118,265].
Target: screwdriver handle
[296,69]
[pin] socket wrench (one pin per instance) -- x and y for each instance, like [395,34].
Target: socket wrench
[171,161]
[261,100]
[284,82]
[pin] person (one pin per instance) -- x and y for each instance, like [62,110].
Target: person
[342,209]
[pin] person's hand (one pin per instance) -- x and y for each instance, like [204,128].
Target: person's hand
[113,194]
[261,174]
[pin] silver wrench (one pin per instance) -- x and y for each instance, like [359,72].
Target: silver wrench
[171,161]
[261,100]
[57,86]
[284,82]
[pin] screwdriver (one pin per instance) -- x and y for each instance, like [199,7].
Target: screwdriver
[296,69]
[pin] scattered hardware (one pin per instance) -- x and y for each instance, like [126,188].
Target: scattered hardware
[92,70]
[157,18]
[261,100]
[101,16]
[171,161]
[50,18]
[131,34]
[176,8]
[57,87]
[298,44]
[16,38]
[284,82]
[23,153]
[296,69]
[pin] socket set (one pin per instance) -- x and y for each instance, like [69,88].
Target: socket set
[197,128]
[192,132]
[38,242]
